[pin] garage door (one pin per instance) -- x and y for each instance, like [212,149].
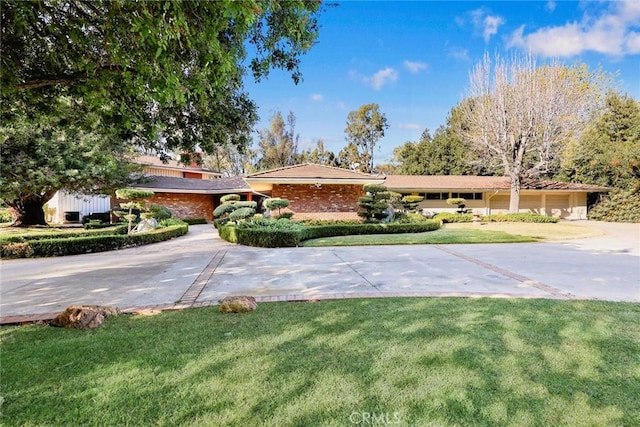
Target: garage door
[499,204]
[558,205]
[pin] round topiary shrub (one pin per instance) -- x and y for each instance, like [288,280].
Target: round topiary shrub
[230,198]
[241,214]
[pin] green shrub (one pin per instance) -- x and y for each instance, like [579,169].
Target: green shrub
[408,218]
[168,222]
[17,250]
[61,246]
[448,217]
[195,221]
[227,232]
[230,198]
[329,221]
[284,215]
[241,214]
[95,224]
[315,232]
[6,215]
[159,212]
[519,217]
[225,208]
[270,233]
[619,206]
[24,237]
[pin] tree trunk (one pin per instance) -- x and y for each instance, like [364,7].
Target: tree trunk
[29,210]
[514,196]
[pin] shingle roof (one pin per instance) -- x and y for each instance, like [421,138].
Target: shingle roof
[470,182]
[312,171]
[205,186]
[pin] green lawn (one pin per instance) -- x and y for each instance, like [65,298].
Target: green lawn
[443,235]
[441,362]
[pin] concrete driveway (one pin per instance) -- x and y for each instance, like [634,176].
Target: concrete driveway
[199,269]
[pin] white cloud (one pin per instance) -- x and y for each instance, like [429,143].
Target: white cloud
[551,5]
[317,97]
[485,23]
[611,33]
[410,126]
[459,53]
[381,78]
[414,67]
[491,24]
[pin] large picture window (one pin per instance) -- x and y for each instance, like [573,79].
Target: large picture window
[432,195]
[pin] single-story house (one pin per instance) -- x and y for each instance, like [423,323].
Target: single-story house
[323,191]
[317,191]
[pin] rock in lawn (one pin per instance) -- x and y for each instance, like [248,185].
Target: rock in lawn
[83,316]
[238,304]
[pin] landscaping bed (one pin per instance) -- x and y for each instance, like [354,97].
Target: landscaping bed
[43,243]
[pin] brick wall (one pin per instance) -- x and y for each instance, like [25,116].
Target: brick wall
[186,205]
[326,198]
[181,205]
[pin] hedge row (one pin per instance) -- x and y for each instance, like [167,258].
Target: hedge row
[118,229]
[284,233]
[520,217]
[61,246]
[448,217]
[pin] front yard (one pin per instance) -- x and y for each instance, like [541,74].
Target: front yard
[446,362]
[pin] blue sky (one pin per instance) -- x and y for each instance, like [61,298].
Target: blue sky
[413,59]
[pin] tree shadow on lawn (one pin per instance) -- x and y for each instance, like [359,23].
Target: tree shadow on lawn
[409,361]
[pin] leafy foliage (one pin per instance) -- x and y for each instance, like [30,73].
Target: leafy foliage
[174,68]
[608,153]
[278,145]
[619,206]
[374,204]
[520,217]
[365,127]
[43,152]
[273,233]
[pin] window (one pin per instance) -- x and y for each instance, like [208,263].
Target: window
[467,196]
[435,196]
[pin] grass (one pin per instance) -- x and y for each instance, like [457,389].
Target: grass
[495,232]
[547,232]
[444,235]
[445,362]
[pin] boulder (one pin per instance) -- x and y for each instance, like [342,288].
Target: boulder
[239,304]
[145,225]
[83,316]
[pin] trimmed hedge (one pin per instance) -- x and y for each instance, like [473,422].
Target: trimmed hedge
[284,233]
[519,217]
[227,232]
[195,221]
[61,246]
[449,217]
[117,229]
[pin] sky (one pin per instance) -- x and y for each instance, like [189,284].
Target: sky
[413,59]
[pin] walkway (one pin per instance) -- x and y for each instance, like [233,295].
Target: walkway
[199,269]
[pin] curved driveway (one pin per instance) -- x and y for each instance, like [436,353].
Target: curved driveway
[199,269]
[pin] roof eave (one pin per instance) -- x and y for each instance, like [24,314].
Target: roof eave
[315,180]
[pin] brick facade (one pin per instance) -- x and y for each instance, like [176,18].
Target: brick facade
[185,205]
[323,198]
[181,205]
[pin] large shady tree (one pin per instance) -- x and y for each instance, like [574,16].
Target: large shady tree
[163,75]
[522,115]
[365,127]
